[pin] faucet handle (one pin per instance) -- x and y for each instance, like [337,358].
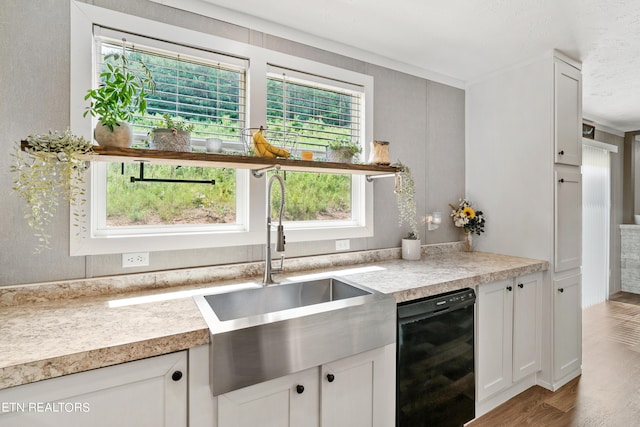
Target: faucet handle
[280,239]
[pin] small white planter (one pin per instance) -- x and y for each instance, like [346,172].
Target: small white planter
[340,155]
[411,249]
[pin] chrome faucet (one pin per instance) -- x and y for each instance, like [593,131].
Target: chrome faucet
[268,268]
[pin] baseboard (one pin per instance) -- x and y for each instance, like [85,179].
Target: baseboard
[494,401]
[557,384]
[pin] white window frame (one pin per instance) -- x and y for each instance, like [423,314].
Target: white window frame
[84,241]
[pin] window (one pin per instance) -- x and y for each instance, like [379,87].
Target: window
[133,199]
[224,88]
[312,113]
[307,113]
[191,86]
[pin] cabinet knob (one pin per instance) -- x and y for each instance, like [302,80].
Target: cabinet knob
[561,152]
[561,180]
[561,290]
[509,288]
[300,389]
[176,376]
[520,285]
[330,377]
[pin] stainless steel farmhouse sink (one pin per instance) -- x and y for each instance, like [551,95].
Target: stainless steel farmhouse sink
[269,299]
[270,331]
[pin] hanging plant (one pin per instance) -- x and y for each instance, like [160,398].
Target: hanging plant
[47,171]
[405,198]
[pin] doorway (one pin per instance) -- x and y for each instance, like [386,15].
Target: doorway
[596,208]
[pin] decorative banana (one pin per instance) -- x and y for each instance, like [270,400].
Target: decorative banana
[262,148]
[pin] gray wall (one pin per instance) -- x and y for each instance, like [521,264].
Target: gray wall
[423,120]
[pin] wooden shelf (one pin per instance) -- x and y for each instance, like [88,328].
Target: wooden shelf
[117,154]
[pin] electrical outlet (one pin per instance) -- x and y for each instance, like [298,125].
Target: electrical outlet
[135,259]
[343,245]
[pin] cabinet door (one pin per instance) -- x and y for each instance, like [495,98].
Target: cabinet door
[494,307]
[527,333]
[568,221]
[359,391]
[568,114]
[141,393]
[289,401]
[567,327]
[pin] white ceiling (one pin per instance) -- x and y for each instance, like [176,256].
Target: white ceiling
[459,41]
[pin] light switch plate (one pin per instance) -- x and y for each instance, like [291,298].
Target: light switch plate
[135,259]
[343,245]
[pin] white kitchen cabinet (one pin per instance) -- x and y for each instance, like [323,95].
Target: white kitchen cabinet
[355,390]
[508,333]
[293,400]
[568,327]
[568,114]
[568,220]
[147,393]
[519,120]
[494,307]
[527,326]
[358,391]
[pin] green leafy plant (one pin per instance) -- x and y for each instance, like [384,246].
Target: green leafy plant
[174,124]
[122,91]
[405,198]
[349,148]
[47,171]
[172,135]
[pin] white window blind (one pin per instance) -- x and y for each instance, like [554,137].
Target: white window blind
[313,111]
[204,88]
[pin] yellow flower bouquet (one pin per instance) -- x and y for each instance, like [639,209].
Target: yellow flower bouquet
[467,218]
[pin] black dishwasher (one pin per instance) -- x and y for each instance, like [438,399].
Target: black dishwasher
[435,361]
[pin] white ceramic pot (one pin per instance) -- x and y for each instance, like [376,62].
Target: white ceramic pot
[214,145]
[411,249]
[121,136]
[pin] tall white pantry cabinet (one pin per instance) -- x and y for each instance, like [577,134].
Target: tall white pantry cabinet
[523,157]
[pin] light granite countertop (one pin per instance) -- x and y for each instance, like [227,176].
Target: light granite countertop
[55,329]
[433,275]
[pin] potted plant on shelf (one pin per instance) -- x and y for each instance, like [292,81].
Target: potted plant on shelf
[470,220]
[172,135]
[405,198]
[342,151]
[122,92]
[47,171]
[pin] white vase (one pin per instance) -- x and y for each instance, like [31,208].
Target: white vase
[120,136]
[411,249]
[214,145]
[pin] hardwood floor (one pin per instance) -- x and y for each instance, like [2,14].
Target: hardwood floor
[608,392]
